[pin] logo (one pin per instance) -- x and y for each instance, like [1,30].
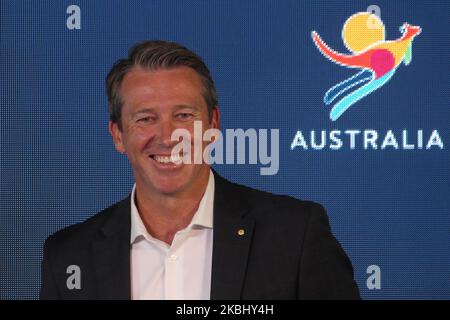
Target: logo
[377,59]
[364,36]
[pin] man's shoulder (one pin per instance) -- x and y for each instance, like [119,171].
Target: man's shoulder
[88,229]
[280,201]
[275,205]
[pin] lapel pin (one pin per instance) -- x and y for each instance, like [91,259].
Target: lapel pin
[241,232]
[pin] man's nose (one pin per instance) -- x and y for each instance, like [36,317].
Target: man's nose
[165,130]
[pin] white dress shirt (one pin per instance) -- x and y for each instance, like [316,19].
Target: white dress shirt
[181,271]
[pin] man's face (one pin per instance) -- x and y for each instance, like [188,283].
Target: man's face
[155,103]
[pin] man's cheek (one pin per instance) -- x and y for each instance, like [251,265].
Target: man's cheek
[140,138]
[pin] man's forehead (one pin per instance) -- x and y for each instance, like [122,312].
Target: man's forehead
[180,81]
[144,84]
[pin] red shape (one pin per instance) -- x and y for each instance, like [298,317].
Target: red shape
[382,61]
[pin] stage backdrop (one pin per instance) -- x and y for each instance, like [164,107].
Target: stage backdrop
[381,168]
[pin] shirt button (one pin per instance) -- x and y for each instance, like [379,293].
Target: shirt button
[173,257]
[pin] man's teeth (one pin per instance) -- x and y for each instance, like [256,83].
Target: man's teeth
[167,159]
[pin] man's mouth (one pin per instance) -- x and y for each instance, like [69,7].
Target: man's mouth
[167,159]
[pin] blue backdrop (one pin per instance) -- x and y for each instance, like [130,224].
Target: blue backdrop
[388,208]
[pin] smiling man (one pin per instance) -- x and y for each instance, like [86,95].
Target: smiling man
[185,232]
[155,103]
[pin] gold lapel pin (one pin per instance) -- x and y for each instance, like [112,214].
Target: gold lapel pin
[241,232]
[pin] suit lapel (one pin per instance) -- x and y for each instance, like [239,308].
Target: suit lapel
[111,255]
[232,239]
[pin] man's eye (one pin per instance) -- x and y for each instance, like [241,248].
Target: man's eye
[184,115]
[144,119]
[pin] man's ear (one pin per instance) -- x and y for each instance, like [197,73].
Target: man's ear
[116,135]
[215,121]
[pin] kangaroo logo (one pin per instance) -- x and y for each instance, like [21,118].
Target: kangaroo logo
[364,36]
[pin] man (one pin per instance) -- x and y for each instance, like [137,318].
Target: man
[185,232]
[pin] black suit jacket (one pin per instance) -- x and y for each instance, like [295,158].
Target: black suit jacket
[287,251]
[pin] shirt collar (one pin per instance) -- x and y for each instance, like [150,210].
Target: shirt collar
[202,218]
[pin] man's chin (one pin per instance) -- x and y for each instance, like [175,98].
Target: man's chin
[170,182]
